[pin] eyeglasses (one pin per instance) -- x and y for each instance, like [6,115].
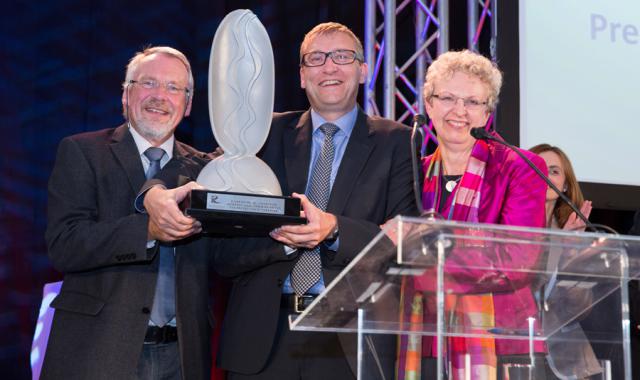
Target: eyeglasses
[339,57]
[152,84]
[449,101]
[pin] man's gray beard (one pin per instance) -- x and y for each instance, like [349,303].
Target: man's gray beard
[153,132]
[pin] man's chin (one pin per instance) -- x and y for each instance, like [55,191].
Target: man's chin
[154,132]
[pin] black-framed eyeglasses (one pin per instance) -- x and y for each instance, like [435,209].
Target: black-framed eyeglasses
[339,57]
[152,84]
[449,101]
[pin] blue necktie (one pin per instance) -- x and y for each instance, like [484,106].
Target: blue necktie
[308,269]
[164,304]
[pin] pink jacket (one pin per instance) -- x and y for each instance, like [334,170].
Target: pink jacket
[511,194]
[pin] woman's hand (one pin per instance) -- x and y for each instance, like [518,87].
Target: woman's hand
[576,224]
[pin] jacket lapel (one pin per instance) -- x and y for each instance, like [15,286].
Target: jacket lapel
[178,164]
[297,153]
[126,152]
[355,157]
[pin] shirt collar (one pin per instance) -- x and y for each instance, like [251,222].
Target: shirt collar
[345,122]
[142,144]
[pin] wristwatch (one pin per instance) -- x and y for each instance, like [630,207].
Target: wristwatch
[333,236]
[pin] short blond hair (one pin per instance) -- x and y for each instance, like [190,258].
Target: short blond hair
[470,63]
[330,28]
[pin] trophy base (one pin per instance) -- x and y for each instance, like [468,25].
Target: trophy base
[238,214]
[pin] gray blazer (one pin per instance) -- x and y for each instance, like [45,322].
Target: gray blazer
[97,239]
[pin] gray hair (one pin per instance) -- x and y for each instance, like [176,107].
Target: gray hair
[135,61]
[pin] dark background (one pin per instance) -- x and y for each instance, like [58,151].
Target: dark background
[61,66]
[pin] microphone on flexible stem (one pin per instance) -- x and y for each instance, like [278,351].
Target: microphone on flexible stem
[480,133]
[418,121]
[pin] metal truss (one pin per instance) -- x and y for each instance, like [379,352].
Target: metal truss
[402,82]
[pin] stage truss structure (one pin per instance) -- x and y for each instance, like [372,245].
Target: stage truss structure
[401,81]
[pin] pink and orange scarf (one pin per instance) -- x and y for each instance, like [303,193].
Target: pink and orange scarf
[476,356]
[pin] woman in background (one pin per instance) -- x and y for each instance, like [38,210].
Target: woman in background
[578,359]
[558,213]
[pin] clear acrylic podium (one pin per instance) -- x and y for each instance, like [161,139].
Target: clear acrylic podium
[560,296]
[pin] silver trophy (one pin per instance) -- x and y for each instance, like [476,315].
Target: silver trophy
[243,195]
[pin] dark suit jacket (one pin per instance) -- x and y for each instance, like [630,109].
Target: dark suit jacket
[373,184]
[98,240]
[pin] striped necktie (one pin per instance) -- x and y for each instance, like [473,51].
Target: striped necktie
[308,268]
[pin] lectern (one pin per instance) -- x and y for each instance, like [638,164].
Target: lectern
[561,296]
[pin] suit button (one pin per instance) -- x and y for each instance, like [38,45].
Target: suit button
[145,310]
[279,282]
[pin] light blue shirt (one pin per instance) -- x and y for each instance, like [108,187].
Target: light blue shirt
[345,126]
[142,144]
[340,140]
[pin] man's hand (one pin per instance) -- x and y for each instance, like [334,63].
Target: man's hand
[390,231]
[320,225]
[166,221]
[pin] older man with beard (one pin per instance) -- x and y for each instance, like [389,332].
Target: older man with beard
[134,302]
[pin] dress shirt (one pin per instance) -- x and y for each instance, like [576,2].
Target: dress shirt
[345,126]
[142,144]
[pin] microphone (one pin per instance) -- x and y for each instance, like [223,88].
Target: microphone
[418,121]
[480,133]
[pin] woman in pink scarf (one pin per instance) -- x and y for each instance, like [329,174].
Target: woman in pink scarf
[475,181]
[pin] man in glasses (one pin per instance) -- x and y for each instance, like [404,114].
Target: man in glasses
[134,302]
[352,173]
